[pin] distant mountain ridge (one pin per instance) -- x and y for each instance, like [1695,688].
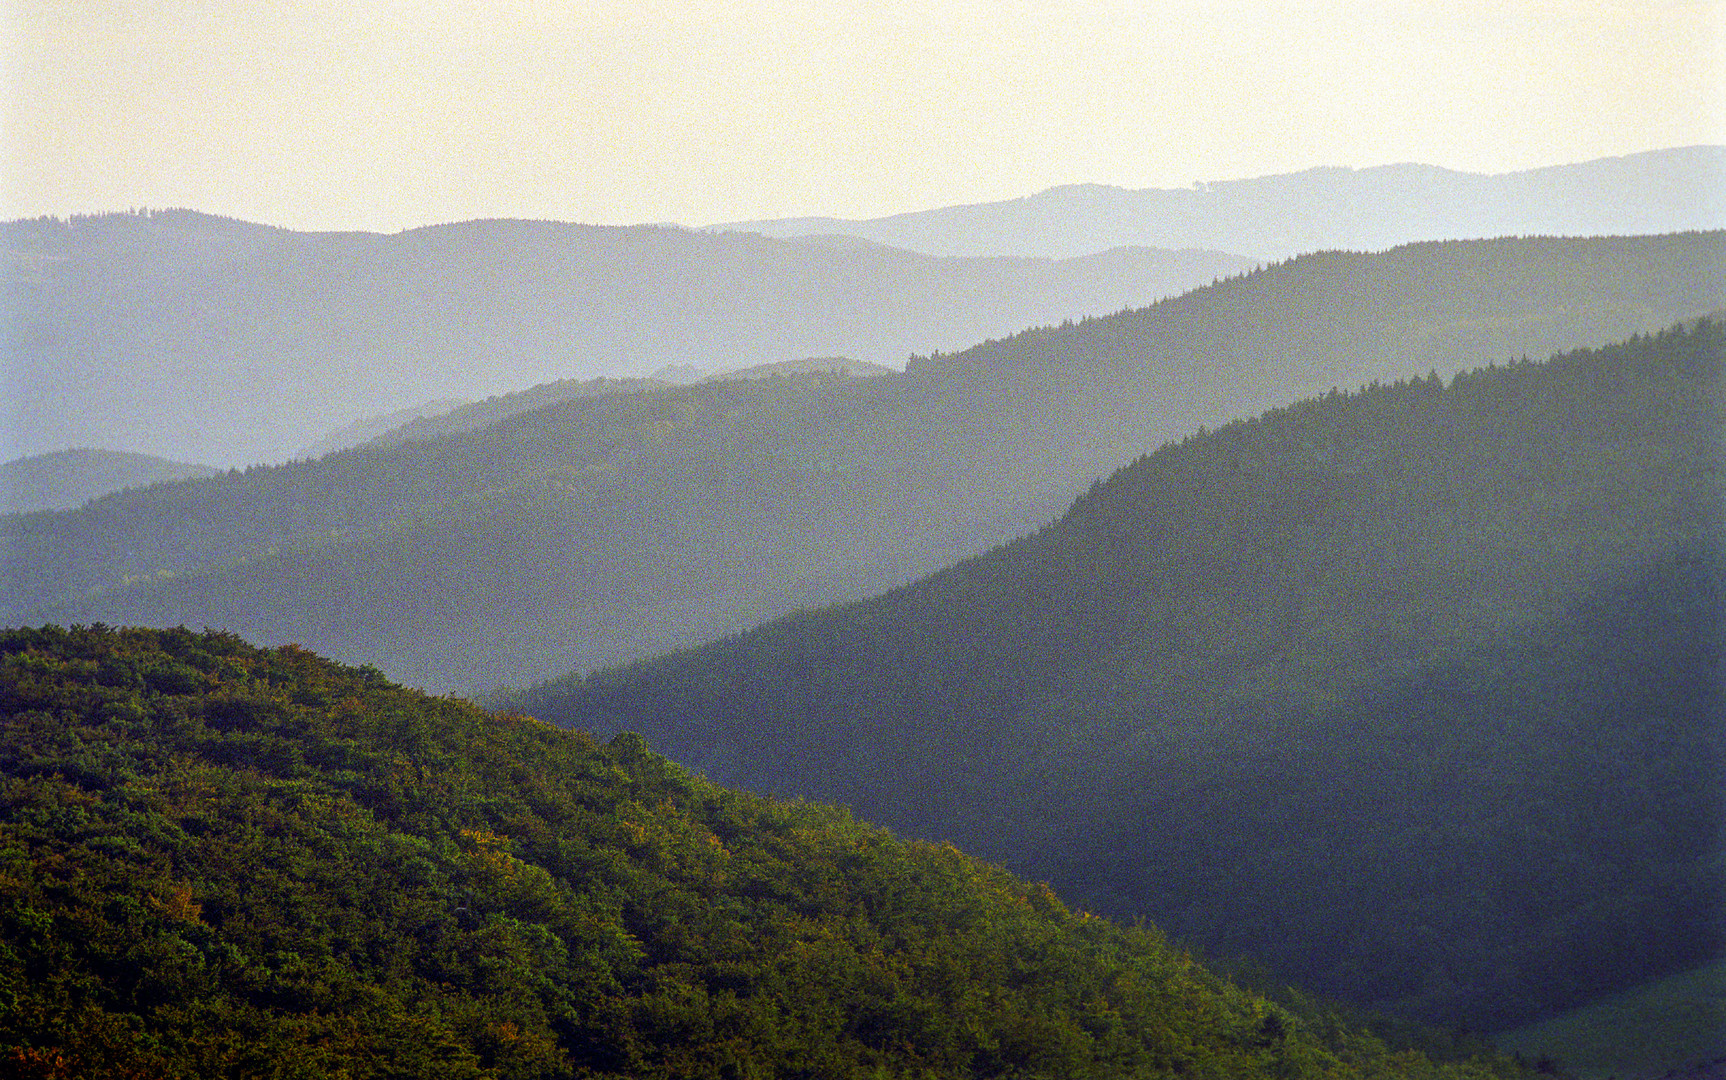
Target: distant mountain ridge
[1274,217]
[183,335]
[482,414]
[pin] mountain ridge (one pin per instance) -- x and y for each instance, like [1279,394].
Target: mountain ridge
[66,479]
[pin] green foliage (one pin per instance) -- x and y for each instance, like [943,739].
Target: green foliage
[1410,692]
[219,861]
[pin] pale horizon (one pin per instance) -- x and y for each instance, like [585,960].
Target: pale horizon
[403,115]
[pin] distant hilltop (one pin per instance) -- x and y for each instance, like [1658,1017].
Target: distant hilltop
[834,365]
[68,478]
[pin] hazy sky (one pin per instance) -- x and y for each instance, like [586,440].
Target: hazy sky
[356,114]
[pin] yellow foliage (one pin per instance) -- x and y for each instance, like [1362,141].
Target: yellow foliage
[178,905]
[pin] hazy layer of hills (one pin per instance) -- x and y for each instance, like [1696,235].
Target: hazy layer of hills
[1274,217]
[188,336]
[217,861]
[191,337]
[69,478]
[1414,693]
[608,528]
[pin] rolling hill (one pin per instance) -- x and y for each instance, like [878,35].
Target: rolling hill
[1412,693]
[857,369]
[218,861]
[594,531]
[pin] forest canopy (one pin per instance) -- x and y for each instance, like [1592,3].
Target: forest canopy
[217,860]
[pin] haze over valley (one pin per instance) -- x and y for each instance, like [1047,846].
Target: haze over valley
[720,541]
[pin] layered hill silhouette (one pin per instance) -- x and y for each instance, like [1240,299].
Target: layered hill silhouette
[1274,217]
[70,478]
[217,861]
[614,527]
[1413,693]
[194,337]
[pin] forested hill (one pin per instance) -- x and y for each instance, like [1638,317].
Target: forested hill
[217,861]
[591,532]
[1413,692]
[1345,318]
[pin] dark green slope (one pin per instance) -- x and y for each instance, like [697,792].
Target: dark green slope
[590,533]
[219,861]
[1412,692]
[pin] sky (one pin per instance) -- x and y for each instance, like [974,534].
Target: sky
[362,114]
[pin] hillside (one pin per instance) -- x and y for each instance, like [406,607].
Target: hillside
[1275,217]
[220,861]
[594,531]
[600,528]
[70,478]
[188,336]
[1413,693]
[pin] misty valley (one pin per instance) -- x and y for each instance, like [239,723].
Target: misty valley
[829,649]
